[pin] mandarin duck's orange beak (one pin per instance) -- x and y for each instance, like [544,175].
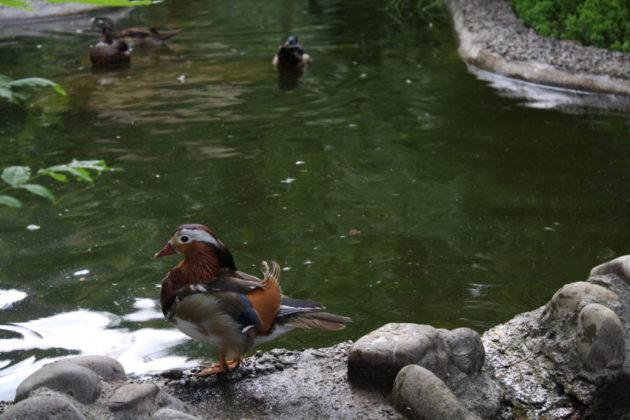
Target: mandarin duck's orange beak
[167,250]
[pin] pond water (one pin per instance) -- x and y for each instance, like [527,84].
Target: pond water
[391,183]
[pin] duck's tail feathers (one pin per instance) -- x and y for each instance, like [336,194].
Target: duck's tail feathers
[164,35]
[300,313]
[320,320]
[271,270]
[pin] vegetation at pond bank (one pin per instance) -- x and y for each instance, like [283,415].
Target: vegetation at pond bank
[503,45]
[10,89]
[22,4]
[599,23]
[19,177]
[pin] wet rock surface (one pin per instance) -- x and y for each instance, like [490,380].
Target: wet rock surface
[73,380]
[600,338]
[284,384]
[376,358]
[453,360]
[494,39]
[44,407]
[563,359]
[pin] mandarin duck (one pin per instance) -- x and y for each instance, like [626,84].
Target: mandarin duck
[291,54]
[137,37]
[208,299]
[110,51]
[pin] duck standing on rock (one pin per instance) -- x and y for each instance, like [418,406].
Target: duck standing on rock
[208,299]
[109,51]
[137,37]
[291,54]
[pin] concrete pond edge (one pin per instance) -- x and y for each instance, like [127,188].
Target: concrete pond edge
[492,38]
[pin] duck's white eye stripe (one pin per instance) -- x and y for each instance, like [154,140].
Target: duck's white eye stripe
[197,235]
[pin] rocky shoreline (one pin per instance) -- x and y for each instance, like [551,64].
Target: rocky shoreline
[565,360]
[492,38]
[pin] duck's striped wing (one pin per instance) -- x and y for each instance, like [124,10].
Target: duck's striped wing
[252,302]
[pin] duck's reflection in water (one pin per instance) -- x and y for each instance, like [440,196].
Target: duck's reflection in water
[289,77]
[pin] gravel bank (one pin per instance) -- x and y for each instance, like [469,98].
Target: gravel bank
[492,38]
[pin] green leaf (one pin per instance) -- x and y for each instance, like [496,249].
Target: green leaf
[78,168]
[39,190]
[83,175]
[97,165]
[58,177]
[65,168]
[34,82]
[19,176]
[59,89]
[6,93]
[108,2]
[16,175]
[7,200]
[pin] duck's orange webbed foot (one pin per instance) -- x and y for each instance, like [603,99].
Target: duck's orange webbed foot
[226,366]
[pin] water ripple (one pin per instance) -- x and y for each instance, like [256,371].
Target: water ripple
[85,332]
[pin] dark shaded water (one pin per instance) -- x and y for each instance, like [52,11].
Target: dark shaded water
[471,207]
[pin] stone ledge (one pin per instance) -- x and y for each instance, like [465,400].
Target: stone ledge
[492,38]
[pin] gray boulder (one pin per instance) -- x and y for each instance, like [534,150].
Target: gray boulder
[91,387]
[619,266]
[566,300]
[138,400]
[600,338]
[43,408]
[76,381]
[376,358]
[454,357]
[170,414]
[465,350]
[419,394]
[107,368]
[564,358]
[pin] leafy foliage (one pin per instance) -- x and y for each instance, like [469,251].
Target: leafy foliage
[12,89]
[20,4]
[600,23]
[20,177]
